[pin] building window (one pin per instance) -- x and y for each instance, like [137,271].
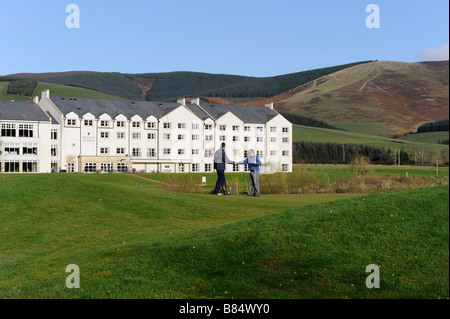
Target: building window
[151,136]
[222,138]
[285,167]
[12,166]
[107,167]
[208,138]
[285,153]
[195,137]
[181,168]
[167,125]
[54,134]
[273,140]
[208,153]
[208,167]
[208,127]
[136,152]
[120,150]
[273,129]
[181,125]
[151,124]
[71,122]
[181,137]
[195,126]
[120,135]
[104,123]
[259,138]
[246,128]
[120,123]
[245,154]
[195,167]
[246,168]
[90,167]
[104,150]
[151,152]
[88,123]
[235,127]
[71,167]
[273,153]
[259,153]
[29,150]
[29,166]
[166,136]
[104,134]
[166,151]
[25,130]
[136,124]
[235,138]
[181,151]
[12,150]
[235,168]
[195,152]
[136,136]
[9,130]
[122,167]
[285,139]
[285,130]
[54,150]
[235,152]
[247,139]
[222,127]
[259,128]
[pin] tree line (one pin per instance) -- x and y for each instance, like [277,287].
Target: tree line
[332,153]
[434,127]
[22,87]
[307,121]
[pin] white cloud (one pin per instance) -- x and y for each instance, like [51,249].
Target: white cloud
[433,54]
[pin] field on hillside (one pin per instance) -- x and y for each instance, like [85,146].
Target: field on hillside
[316,134]
[4,96]
[133,242]
[64,90]
[430,137]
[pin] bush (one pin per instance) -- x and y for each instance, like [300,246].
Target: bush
[361,165]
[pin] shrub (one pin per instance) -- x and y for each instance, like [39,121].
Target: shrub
[361,165]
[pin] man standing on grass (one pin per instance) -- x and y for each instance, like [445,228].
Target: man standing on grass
[220,161]
[254,163]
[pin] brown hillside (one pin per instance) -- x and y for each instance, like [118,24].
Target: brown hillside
[378,97]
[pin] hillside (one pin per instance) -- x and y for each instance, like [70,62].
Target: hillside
[55,90]
[376,98]
[172,85]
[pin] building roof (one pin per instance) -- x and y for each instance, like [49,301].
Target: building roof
[247,114]
[97,107]
[21,111]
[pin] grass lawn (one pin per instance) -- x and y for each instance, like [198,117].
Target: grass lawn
[146,242]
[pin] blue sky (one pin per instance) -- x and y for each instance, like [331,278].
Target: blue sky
[245,37]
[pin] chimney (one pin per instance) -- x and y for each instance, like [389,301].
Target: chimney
[269,105]
[182,101]
[196,101]
[46,94]
[36,99]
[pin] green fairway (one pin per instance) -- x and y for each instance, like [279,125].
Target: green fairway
[133,242]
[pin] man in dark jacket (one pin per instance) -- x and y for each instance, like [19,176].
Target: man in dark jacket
[254,163]
[220,161]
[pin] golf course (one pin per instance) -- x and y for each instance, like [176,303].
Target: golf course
[135,238]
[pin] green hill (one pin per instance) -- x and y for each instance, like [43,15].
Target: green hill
[147,243]
[56,90]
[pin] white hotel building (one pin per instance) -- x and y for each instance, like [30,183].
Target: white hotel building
[97,135]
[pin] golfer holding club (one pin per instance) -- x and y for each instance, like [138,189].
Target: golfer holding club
[254,163]
[220,161]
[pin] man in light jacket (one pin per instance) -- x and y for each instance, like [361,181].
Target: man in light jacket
[254,163]
[220,161]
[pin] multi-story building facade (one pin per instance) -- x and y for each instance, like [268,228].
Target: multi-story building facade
[91,135]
